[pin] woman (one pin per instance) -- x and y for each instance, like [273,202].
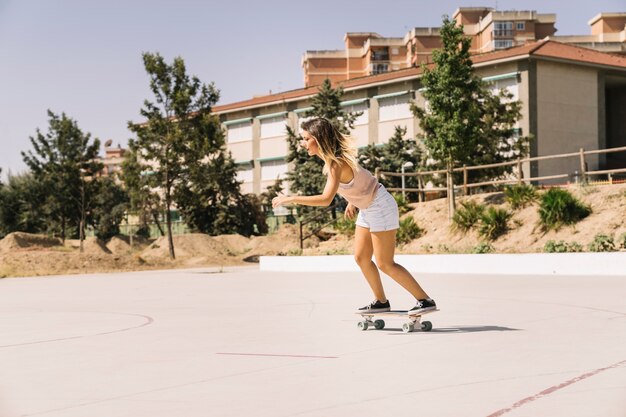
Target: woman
[377,219]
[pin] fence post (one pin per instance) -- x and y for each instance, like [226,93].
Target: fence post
[583,170]
[420,187]
[301,240]
[520,174]
[377,173]
[464,179]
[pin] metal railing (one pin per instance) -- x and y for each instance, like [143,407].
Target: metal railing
[313,218]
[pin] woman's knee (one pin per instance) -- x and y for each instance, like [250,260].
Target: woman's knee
[362,258]
[386,266]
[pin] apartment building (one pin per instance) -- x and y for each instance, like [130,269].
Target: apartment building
[489,29]
[365,54]
[608,34]
[572,98]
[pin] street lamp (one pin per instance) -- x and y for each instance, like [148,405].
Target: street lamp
[407,165]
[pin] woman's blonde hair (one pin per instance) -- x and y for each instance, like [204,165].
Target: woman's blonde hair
[333,145]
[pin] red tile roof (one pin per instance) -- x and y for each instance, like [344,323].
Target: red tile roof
[545,49]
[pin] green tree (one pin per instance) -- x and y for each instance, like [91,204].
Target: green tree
[110,203]
[23,205]
[464,123]
[144,201]
[180,150]
[306,175]
[391,156]
[62,160]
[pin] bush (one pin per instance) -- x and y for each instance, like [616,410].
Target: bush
[602,243]
[559,207]
[494,223]
[345,226]
[562,247]
[403,203]
[621,241]
[408,231]
[483,247]
[519,196]
[466,217]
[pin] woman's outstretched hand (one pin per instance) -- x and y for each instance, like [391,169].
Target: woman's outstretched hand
[350,211]
[280,200]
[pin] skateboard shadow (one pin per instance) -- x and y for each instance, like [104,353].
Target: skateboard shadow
[463,329]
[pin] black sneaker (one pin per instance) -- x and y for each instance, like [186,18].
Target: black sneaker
[421,306]
[375,307]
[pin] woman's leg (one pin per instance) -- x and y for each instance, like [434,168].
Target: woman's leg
[384,246]
[363,251]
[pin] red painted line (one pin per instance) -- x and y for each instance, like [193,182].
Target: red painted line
[282,356]
[554,388]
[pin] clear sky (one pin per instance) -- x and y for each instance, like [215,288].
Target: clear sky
[83,57]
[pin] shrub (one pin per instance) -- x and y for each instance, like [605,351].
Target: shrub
[559,207]
[562,247]
[494,222]
[602,243]
[467,216]
[408,231]
[483,247]
[403,203]
[519,196]
[621,241]
[345,226]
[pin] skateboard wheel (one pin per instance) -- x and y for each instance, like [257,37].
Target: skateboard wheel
[427,326]
[379,324]
[362,325]
[408,327]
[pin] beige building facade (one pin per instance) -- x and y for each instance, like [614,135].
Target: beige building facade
[490,30]
[572,98]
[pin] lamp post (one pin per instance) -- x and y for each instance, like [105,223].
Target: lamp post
[407,165]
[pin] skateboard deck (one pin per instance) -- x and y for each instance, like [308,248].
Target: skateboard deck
[414,320]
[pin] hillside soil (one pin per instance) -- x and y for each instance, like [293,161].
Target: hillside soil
[23,254]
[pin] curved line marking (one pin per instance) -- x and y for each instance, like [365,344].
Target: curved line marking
[149,320]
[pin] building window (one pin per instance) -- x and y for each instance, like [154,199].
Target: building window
[245,172]
[273,126]
[520,26]
[273,169]
[503,44]
[508,84]
[239,132]
[363,119]
[393,108]
[503,29]
[379,68]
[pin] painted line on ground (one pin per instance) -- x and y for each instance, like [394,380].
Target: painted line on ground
[554,388]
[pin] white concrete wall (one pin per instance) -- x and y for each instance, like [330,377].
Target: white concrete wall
[491,264]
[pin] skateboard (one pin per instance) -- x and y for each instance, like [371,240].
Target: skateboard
[414,320]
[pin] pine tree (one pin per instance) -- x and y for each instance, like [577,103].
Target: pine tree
[305,176]
[62,160]
[464,123]
[391,156]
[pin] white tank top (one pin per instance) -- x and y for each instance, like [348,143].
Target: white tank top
[361,191]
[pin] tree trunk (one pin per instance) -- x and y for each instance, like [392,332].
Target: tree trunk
[450,188]
[63,229]
[168,221]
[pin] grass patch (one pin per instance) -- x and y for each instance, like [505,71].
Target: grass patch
[467,216]
[561,246]
[494,223]
[408,231]
[519,196]
[559,208]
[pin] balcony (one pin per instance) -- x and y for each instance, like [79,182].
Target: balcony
[380,55]
[502,33]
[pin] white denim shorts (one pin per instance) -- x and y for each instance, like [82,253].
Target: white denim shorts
[382,214]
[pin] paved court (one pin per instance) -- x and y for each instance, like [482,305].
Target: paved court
[240,342]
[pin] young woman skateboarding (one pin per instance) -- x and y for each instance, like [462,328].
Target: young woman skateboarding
[377,219]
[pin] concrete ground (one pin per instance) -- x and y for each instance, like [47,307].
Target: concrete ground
[240,342]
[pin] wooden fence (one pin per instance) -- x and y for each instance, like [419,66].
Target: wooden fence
[516,178]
